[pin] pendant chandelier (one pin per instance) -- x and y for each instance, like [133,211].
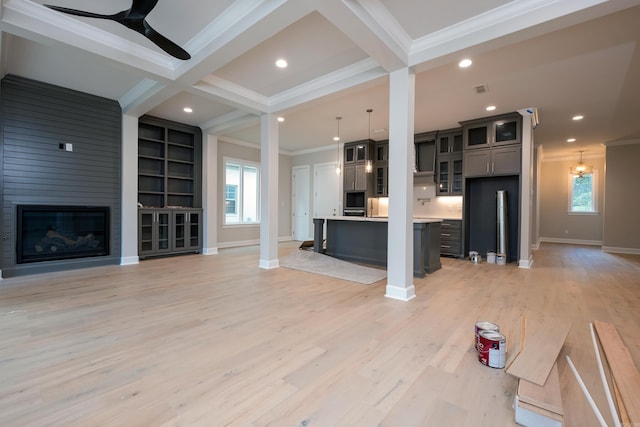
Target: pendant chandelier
[337,139]
[581,169]
[369,166]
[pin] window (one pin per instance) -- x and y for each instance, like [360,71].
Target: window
[583,193]
[242,192]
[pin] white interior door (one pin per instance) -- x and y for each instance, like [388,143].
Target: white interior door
[326,191]
[300,203]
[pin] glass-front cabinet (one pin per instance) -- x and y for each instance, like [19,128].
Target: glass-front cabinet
[449,163]
[492,131]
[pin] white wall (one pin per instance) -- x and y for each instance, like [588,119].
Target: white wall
[240,235]
[556,224]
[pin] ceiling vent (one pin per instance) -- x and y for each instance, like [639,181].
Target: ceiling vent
[481,89]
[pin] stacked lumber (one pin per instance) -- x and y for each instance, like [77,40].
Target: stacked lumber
[539,340]
[624,373]
[539,406]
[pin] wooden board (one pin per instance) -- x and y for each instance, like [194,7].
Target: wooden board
[515,341]
[547,397]
[625,373]
[622,411]
[545,337]
[551,416]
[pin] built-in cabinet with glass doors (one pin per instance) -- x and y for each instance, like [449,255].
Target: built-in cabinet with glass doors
[169,187]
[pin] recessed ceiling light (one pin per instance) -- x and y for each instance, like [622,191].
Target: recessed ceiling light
[188,110]
[571,140]
[578,117]
[336,138]
[491,107]
[465,63]
[281,63]
[281,119]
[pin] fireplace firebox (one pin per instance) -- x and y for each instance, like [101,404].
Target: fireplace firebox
[48,233]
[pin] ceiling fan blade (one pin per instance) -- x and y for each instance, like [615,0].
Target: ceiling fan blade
[165,44]
[78,12]
[141,8]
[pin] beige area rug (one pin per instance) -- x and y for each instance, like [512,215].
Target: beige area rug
[314,262]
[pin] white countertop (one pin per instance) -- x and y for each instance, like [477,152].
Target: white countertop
[379,219]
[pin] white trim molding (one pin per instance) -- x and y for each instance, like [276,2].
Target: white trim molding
[571,241]
[615,250]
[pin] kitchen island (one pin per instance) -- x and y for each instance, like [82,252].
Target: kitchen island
[364,240]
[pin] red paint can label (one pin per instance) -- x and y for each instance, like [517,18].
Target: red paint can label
[492,349]
[482,325]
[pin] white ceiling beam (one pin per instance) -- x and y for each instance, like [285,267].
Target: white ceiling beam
[242,27]
[371,27]
[230,122]
[41,24]
[231,94]
[353,75]
[493,24]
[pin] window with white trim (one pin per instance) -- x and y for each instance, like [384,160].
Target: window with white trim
[242,192]
[583,193]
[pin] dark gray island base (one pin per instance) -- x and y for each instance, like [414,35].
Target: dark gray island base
[364,240]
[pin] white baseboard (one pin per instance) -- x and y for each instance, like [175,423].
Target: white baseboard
[400,293]
[130,260]
[571,241]
[209,251]
[526,263]
[268,264]
[252,242]
[614,250]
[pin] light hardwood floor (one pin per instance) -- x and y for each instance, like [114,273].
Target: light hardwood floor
[214,341]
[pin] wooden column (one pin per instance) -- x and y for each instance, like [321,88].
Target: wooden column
[401,160]
[269,192]
[129,210]
[210,194]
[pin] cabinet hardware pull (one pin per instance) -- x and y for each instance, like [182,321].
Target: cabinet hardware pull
[445,234]
[444,246]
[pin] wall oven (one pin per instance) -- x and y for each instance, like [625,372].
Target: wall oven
[355,203]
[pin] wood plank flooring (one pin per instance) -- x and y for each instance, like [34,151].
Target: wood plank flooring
[215,341]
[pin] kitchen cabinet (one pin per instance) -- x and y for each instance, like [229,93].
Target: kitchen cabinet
[381,169]
[492,131]
[355,178]
[357,156]
[169,231]
[449,175]
[425,153]
[492,161]
[449,170]
[449,142]
[451,238]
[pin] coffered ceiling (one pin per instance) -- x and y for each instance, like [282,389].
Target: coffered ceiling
[563,57]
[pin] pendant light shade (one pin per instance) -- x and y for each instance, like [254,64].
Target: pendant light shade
[581,169]
[337,139]
[369,165]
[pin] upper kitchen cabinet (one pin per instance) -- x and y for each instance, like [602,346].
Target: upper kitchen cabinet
[381,169]
[449,141]
[425,153]
[358,151]
[357,158]
[449,162]
[493,162]
[492,131]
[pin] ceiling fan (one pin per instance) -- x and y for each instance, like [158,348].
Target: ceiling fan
[135,19]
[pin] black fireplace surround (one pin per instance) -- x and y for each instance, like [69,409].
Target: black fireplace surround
[48,233]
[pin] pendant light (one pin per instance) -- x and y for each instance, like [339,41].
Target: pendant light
[369,166]
[337,139]
[581,169]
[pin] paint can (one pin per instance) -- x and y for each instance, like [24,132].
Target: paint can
[492,349]
[483,325]
[491,257]
[474,257]
[501,259]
